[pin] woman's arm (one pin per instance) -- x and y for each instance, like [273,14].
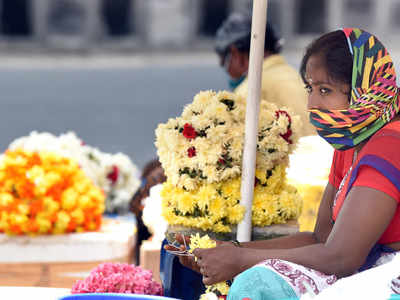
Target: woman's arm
[322,228]
[364,217]
[300,239]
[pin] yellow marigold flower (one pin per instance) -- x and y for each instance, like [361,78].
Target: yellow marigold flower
[62,221]
[217,206]
[44,225]
[219,227]
[49,205]
[235,214]
[5,199]
[197,241]
[23,208]
[69,199]
[16,218]
[84,201]
[78,215]
[185,203]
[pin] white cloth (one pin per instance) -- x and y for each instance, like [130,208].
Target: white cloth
[374,284]
[32,293]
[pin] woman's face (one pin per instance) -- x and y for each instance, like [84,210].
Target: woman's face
[323,92]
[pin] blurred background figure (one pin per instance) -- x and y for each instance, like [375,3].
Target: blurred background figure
[280,83]
[152,175]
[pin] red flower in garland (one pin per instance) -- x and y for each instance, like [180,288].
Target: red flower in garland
[191,152]
[113,175]
[189,132]
[286,136]
[285,113]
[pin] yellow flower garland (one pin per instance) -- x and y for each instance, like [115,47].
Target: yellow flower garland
[43,193]
[204,242]
[216,206]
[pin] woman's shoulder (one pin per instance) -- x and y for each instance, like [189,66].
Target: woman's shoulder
[385,143]
[388,133]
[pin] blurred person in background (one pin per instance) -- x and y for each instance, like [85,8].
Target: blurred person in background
[152,174]
[281,84]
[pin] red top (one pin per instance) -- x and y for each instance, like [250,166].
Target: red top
[384,144]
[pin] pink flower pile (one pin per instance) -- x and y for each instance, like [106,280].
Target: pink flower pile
[118,278]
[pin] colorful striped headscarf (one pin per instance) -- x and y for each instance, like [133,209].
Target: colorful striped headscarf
[374,95]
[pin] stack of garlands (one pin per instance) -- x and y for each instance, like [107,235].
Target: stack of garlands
[201,153]
[43,193]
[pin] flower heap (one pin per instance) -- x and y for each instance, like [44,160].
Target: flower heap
[115,174]
[44,193]
[118,278]
[201,153]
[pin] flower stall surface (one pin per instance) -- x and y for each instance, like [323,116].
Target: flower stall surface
[115,174]
[201,153]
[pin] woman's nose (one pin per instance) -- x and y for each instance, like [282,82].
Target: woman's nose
[310,103]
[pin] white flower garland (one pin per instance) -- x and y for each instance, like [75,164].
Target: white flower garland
[205,144]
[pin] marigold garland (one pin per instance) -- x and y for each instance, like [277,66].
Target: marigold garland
[44,193]
[215,207]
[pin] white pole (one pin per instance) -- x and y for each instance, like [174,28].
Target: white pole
[258,25]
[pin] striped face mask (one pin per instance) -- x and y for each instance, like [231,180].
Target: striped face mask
[374,95]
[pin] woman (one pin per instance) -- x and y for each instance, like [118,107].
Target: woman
[353,103]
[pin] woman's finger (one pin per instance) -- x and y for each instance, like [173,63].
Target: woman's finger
[182,239]
[171,248]
[198,253]
[207,280]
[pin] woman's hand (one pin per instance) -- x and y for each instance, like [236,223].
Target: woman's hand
[220,263]
[189,261]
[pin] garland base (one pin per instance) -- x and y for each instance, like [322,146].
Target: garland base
[258,233]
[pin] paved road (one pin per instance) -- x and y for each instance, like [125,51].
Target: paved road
[113,107]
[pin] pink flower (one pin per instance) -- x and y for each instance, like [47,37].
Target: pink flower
[118,278]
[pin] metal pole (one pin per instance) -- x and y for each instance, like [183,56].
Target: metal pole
[258,25]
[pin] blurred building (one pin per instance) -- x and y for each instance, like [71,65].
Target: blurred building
[187,24]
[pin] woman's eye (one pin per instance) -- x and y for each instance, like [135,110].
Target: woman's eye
[324,91]
[308,88]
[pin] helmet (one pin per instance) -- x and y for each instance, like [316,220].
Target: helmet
[236,30]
